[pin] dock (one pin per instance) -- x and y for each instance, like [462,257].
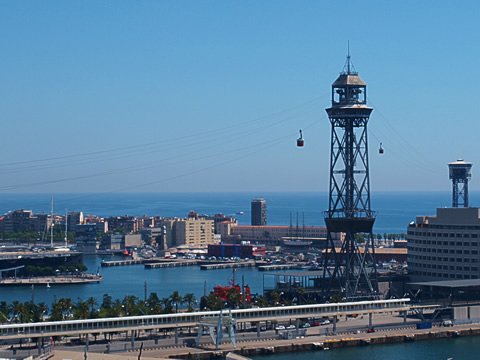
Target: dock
[228,265]
[168,264]
[121,262]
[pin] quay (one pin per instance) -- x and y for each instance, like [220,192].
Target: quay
[53,280]
[228,265]
[121,262]
[168,264]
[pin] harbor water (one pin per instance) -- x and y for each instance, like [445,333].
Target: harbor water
[463,348]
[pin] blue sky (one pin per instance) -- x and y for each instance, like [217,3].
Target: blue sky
[99,96]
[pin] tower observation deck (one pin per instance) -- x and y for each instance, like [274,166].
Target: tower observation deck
[349,209]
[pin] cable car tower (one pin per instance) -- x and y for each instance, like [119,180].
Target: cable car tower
[349,210]
[460,172]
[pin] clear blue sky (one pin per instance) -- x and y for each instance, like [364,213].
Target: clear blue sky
[209,95]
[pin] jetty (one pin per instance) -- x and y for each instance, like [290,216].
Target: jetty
[228,265]
[168,264]
[121,262]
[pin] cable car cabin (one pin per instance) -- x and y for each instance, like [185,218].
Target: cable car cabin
[300,141]
[381,151]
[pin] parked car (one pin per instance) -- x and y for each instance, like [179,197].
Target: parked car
[325,322]
[280,327]
[290,327]
[447,323]
[306,325]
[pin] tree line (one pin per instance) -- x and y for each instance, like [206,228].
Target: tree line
[65,308]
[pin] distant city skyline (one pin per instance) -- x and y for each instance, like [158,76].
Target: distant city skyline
[122,96]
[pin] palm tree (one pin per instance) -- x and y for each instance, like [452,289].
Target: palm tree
[176,299]
[189,299]
[167,305]
[81,310]
[92,302]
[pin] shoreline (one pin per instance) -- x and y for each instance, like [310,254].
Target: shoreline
[313,343]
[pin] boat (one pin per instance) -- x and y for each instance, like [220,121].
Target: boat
[239,213]
[48,285]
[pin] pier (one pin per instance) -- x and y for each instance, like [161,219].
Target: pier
[121,262]
[168,264]
[229,265]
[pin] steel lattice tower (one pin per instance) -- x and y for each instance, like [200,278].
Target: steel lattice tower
[349,209]
[460,172]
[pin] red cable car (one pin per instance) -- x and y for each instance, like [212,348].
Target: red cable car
[300,141]
[381,151]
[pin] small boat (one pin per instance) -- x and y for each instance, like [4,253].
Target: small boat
[48,284]
[239,213]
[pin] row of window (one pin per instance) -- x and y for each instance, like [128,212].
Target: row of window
[444,267]
[444,275]
[444,243]
[443,251]
[434,258]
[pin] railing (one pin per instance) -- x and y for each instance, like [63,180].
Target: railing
[111,325]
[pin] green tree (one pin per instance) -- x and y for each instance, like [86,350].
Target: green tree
[176,299]
[213,302]
[234,297]
[167,305]
[189,299]
[92,302]
[154,304]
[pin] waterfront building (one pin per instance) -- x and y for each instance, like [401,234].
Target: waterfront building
[128,224]
[194,230]
[120,241]
[259,212]
[153,235]
[74,218]
[24,220]
[112,241]
[445,246]
[86,238]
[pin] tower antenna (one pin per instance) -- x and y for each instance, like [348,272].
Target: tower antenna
[348,57]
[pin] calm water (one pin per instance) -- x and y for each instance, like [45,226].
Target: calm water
[459,349]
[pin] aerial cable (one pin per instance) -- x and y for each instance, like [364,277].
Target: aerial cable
[168,141]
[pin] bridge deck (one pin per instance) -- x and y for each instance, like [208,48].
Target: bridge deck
[121,324]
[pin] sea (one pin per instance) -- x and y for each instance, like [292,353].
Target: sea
[395,210]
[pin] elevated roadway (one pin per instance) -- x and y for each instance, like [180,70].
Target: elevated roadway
[190,319]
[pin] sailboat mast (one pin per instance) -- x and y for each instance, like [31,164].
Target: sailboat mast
[52,224]
[66,227]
